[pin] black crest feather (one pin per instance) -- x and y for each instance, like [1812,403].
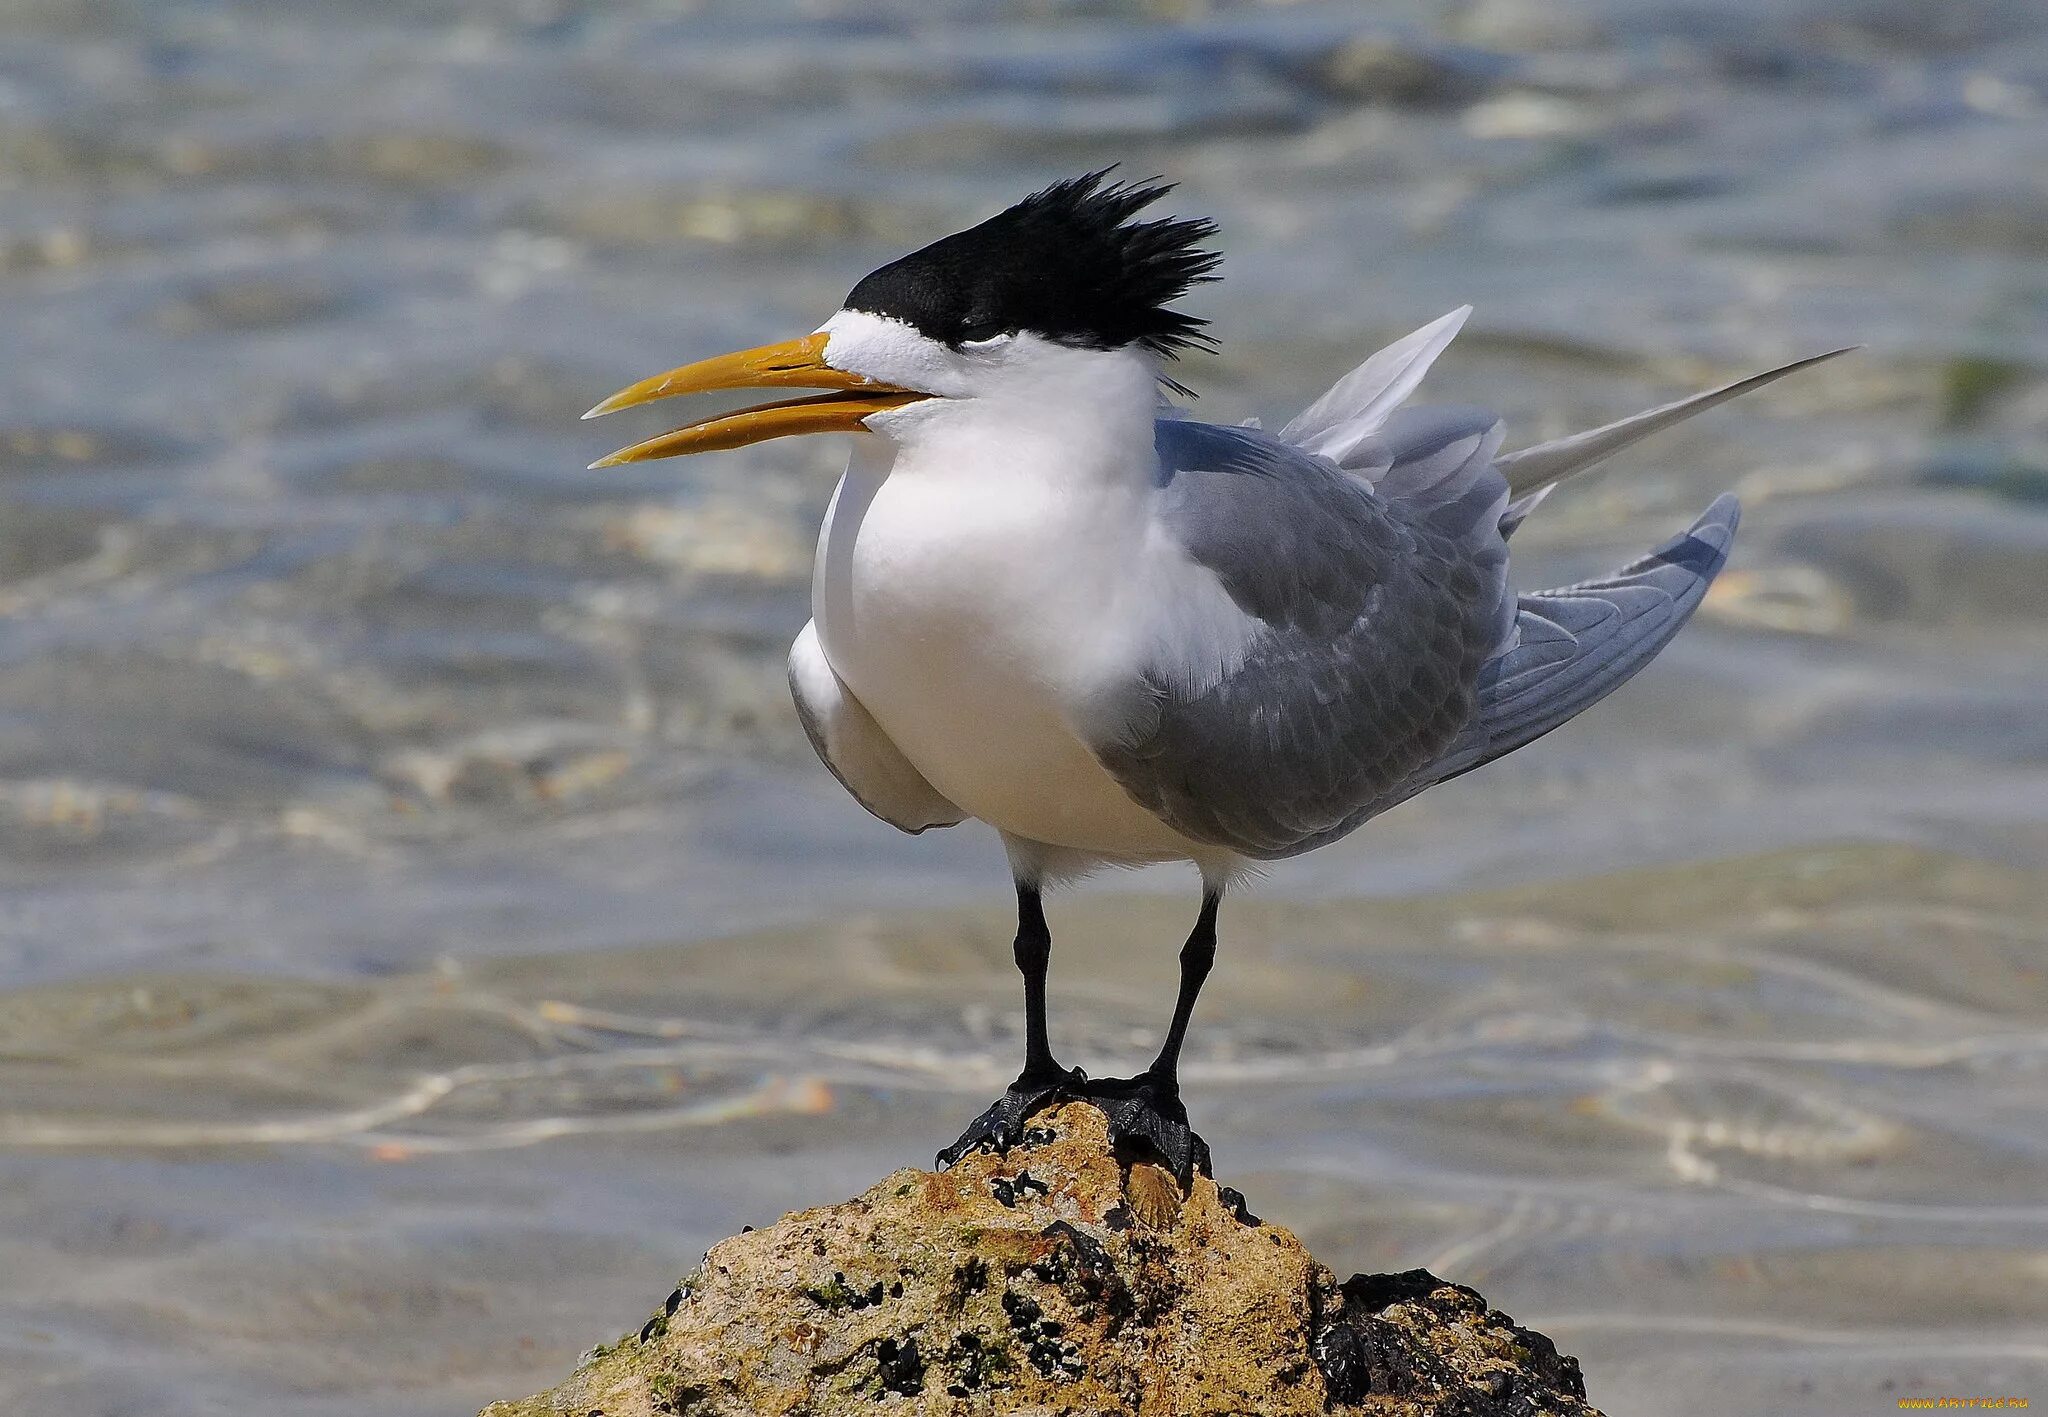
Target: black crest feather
[1068,263]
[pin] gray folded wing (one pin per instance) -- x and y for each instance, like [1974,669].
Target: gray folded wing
[1371,602]
[1382,653]
[1577,644]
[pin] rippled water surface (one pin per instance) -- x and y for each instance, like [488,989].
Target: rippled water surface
[424,928]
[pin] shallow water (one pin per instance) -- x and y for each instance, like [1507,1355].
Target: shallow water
[425,929]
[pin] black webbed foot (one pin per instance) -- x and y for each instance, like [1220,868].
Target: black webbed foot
[1002,1125]
[1147,1110]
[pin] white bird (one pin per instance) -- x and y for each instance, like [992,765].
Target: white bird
[1045,600]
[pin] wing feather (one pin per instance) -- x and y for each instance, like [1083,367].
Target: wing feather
[1368,617]
[1367,548]
[850,743]
[1577,644]
[1356,405]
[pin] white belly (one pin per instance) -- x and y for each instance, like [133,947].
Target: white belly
[963,618]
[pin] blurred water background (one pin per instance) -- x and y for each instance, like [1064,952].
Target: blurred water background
[424,928]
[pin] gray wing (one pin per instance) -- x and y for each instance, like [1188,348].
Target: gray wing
[1577,644]
[1367,549]
[850,743]
[1372,601]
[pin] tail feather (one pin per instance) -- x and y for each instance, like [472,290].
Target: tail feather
[1530,470]
[1577,644]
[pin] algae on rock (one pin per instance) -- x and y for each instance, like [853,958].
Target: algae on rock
[1058,1279]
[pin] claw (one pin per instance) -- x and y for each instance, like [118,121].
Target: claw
[1002,1125]
[1147,1109]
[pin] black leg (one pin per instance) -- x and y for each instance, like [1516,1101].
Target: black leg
[1043,1081]
[1034,955]
[1147,1108]
[1196,956]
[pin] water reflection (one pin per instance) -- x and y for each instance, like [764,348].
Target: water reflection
[425,927]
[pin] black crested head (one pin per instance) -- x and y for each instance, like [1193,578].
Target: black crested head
[1067,263]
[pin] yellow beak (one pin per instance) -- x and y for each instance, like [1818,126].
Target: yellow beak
[797,363]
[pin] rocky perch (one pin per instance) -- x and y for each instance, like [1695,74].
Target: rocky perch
[1057,1279]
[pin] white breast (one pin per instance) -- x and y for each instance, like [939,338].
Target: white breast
[980,620]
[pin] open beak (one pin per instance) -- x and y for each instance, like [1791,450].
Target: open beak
[797,364]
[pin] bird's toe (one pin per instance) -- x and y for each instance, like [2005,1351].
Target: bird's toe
[1145,1112]
[1002,1125]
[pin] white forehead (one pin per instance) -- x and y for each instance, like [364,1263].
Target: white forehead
[890,350]
[1020,365]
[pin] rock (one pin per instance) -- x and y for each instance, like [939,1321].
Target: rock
[1057,1279]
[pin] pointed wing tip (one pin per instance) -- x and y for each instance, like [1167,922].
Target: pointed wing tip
[1714,530]
[1771,376]
[1813,359]
[1724,510]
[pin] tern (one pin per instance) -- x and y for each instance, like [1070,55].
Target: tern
[1046,599]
